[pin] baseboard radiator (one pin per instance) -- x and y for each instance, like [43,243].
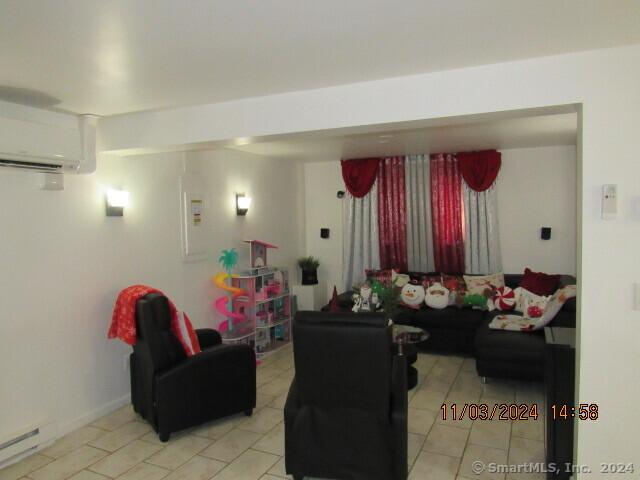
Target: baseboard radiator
[20,443]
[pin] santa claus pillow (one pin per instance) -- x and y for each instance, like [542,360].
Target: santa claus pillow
[504,299]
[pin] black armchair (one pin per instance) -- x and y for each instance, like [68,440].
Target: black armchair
[173,392]
[346,412]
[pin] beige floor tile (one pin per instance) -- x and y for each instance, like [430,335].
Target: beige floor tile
[491,433]
[498,391]
[231,445]
[262,421]
[420,421]
[69,464]
[275,387]
[435,383]
[414,445]
[467,382]
[279,401]
[251,465]
[266,374]
[270,477]
[116,419]
[174,455]
[523,451]
[121,436]
[124,459]
[279,469]
[88,475]
[446,418]
[469,365]
[272,442]
[198,468]
[427,400]
[144,471]
[446,440]
[486,456]
[220,427]
[263,400]
[24,467]
[531,429]
[73,440]
[431,466]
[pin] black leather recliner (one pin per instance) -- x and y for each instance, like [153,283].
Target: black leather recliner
[346,412]
[173,392]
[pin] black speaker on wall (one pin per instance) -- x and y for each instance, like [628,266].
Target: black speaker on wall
[545,233]
[324,233]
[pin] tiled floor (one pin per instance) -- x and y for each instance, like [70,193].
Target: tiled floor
[123,446]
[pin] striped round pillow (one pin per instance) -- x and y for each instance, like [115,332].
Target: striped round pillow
[504,298]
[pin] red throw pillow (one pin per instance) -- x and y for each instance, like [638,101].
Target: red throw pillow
[382,276]
[183,330]
[539,283]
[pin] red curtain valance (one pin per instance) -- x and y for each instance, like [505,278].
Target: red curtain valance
[359,175]
[479,169]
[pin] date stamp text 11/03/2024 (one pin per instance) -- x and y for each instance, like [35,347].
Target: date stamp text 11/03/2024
[515,411]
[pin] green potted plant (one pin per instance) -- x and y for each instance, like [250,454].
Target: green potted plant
[309,266]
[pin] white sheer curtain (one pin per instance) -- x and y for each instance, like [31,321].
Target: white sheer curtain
[482,240]
[419,226]
[360,238]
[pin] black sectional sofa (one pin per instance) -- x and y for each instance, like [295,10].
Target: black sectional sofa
[498,353]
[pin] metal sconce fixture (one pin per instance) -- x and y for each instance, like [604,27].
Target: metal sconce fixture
[117,200]
[242,204]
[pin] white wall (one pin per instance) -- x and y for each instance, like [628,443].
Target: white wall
[537,188]
[63,263]
[605,85]
[323,209]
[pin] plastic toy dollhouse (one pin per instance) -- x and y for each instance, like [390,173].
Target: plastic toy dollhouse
[262,310]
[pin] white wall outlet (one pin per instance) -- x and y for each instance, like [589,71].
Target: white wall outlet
[609,201]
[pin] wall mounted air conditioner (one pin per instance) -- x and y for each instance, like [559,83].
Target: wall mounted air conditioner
[44,147]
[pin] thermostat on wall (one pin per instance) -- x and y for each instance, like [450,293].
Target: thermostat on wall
[609,201]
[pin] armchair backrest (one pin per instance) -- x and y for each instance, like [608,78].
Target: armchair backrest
[156,343]
[343,360]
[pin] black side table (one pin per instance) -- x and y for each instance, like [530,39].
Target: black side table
[404,337]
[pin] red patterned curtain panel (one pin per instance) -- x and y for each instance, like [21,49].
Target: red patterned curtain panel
[392,217]
[479,169]
[447,214]
[359,175]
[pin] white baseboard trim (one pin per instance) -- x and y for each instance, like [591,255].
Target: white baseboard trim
[93,415]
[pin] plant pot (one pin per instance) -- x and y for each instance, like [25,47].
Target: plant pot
[309,277]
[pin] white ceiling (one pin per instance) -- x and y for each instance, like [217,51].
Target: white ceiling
[467,134]
[116,56]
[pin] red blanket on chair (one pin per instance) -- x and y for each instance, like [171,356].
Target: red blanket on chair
[123,320]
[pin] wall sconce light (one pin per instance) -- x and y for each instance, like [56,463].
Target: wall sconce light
[242,204]
[116,201]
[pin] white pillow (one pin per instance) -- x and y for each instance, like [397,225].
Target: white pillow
[554,305]
[477,284]
[526,299]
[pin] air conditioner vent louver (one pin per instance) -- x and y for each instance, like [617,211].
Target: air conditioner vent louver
[30,165]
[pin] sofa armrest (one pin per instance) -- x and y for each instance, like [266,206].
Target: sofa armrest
[208,337]
[175,387]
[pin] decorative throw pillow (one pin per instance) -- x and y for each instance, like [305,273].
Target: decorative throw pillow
[430,280]
[504,299]
[530,304]
[456,286]
[436,296]
[183,330]
[539,283]
[412,295]
[382,276]
[479,284]
[557,300]
[399,279]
